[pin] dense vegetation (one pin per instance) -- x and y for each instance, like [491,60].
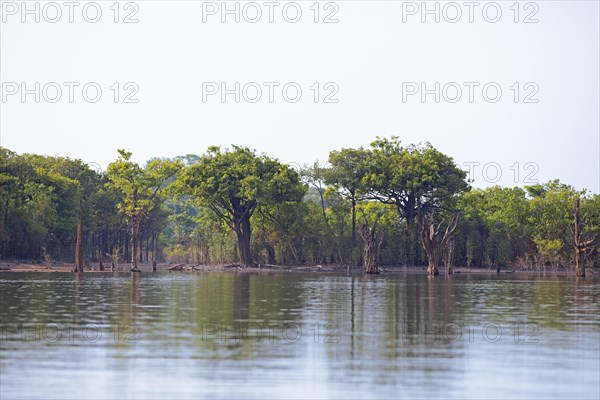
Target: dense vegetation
[388,204]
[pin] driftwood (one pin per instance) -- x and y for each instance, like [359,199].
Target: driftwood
[176,267]
[192,267]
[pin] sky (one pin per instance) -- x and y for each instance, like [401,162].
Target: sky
[510,91]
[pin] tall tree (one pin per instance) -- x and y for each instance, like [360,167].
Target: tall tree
[141,189]
[417,180]
[233,183]
[346,173]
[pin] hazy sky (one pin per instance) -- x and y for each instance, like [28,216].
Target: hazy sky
[373,61]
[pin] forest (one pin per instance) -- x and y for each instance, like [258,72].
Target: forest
[386,205]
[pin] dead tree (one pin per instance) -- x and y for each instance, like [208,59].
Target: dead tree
[429,233]
[79,241]
[582,247]
[372,245]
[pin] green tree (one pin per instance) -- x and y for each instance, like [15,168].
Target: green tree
[233,183]
[141,189]
[551,218]
[417,180]
[346,173]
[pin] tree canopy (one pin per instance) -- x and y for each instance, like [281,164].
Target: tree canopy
[401,204]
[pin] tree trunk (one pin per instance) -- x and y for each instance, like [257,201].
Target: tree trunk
[154,235]
[79,241]
[430,239]
[449,255]
[100,251]
[371,249]
[579,263]
[432,259]
[243,232]
[141,249]
[582,247]
[353,244]
[79,248]
[135,231]
[577,243]
[126,240]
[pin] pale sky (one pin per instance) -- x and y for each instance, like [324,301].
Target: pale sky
[374,57]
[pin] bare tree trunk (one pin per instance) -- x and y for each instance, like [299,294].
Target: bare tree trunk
[154,237]
[135,231]
[449,255]
[371,249]
[79,248]
[579,262]
[353,244]
[141,248]
[432,261]
[126,241]
[353,221]
[432,244]
[582,247]
[79,241]
[100,252]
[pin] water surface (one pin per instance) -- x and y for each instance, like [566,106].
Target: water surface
[292,335]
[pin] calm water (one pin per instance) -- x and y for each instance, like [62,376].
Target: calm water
[221,335]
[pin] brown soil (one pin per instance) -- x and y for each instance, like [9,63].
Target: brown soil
[15,266]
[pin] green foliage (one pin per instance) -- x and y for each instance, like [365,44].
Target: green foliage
[141,190]
[234,183]
[40,201]
[205,208]
[412,178]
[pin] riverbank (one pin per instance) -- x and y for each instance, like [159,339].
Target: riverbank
[16,266]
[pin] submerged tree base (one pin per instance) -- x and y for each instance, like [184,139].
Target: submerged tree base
[376,272]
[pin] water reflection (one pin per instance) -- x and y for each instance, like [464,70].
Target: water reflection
[298,335]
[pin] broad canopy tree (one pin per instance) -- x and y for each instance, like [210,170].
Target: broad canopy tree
[233,183]
[419,181]
[417,178]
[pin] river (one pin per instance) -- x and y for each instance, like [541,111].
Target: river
[298,335]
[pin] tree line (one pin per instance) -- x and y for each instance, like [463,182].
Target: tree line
[388,204]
